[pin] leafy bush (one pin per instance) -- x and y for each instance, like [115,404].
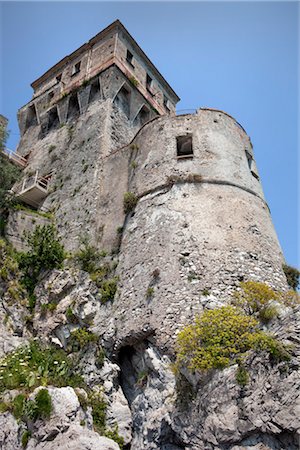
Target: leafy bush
[25,438]
[292,276]
[255,298]
[129,202]
[45,252]
[18,406]
[35,365]
[242,376]
[10,274]
[81,337]
[150,292]
[43,404]
[38,408]
[99,408]
[114,435]
[220,337]
[89,257]
[108,290]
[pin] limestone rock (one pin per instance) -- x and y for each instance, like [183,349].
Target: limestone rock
[9,432]
[75,438]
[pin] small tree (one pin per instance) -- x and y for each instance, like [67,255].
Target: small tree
[45,252]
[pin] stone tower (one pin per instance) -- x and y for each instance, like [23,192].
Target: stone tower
[102,123]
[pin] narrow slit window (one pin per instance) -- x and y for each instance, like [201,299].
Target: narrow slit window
[122,100]
[50,96]
[142,117]
[94,90]
[129,58]
[73,107]
[149,83]
[185,146]
[249,159]
[76,68]
[166,103]
[53,119]
[31,118]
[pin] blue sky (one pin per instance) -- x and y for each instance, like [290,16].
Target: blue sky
[241,57]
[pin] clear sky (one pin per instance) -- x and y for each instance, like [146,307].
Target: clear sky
[241,57]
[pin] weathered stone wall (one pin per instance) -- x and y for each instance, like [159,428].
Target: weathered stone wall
[75,153]
[200,227]
[20,222]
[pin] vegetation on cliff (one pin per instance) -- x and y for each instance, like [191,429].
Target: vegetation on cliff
[221,337]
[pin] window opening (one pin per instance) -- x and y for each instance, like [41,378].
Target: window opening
[53,119]
[122,100]
[249,159]
[58,78]
[166,103]
[31,118]
[73,107]
[76,68]
[95,90]
[149,83]
[184,146]
[142,117]
[50,96]
[129,57]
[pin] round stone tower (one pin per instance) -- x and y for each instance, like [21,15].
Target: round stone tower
[201,225]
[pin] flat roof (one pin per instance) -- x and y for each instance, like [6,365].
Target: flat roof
[115,26]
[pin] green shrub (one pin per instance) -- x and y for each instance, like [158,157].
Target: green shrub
[25,438]
[18,405]
[242,376]
[100,274]
[4,407]
[82,337]
[268,313]
[35,365]
[255,298]
[114,435]
[292,276]
[99,408]
[134,81]
[71,316]
[45,252]
[150,292]
[129,202]
[108,290]
[220,337]
[88,257]
[43,404]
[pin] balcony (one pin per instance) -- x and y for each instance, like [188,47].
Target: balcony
[15,158]
[32,190]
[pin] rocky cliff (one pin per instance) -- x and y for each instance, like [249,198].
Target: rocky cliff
[125,393]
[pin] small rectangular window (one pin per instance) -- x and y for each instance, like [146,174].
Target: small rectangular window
[249,159]
[50,96]
[76,68]
[166,103]
[58,78]
[184,146]
[129,57]
[149,83]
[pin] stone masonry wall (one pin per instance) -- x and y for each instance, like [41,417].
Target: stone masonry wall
[201,226]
